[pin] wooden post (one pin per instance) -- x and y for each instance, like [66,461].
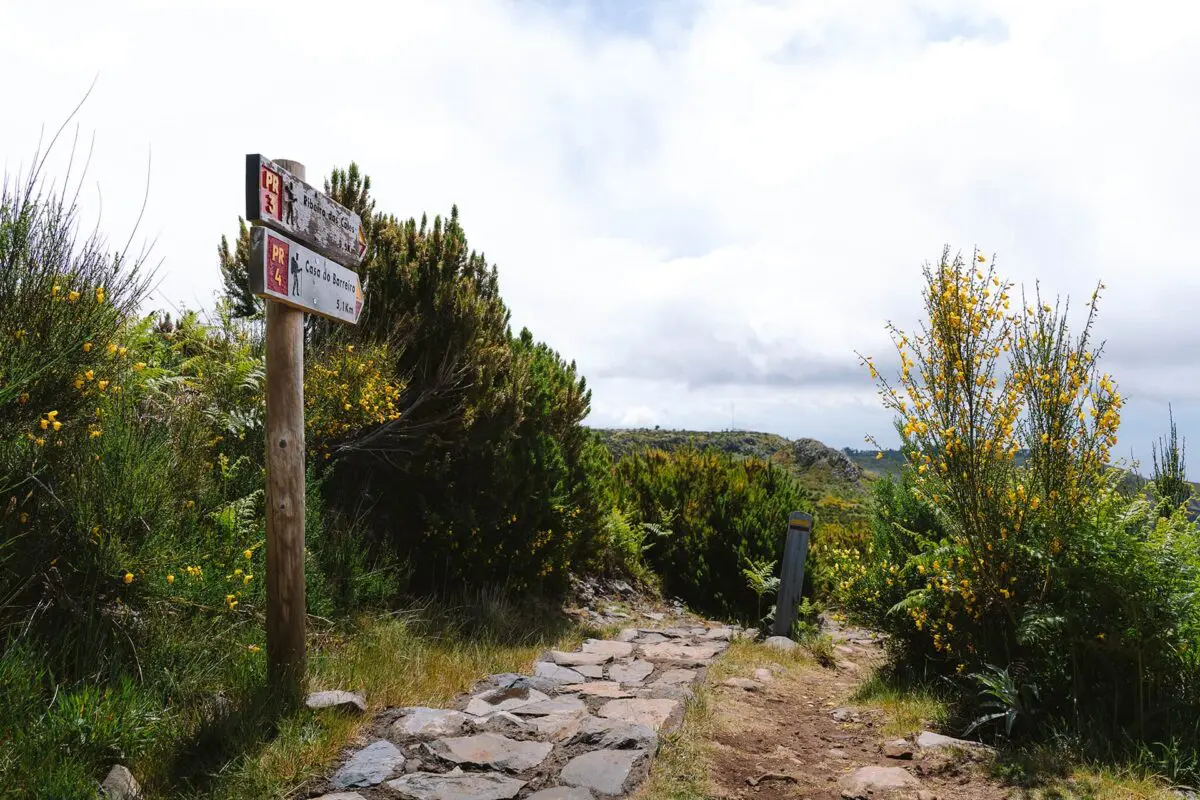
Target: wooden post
[791,578]
[285,495]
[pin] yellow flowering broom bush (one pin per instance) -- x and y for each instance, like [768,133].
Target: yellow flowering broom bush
[1005,541]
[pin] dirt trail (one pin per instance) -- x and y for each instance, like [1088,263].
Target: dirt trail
[800,736]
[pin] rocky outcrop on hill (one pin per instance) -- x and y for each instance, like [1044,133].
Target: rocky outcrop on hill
[811,454]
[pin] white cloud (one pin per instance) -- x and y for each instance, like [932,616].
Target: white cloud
[750,184]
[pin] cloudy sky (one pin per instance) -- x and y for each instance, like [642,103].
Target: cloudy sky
[709,204]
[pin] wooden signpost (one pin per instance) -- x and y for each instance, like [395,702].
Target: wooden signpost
[791,579]
[301,242]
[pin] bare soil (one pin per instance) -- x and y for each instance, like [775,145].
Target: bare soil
[783,742]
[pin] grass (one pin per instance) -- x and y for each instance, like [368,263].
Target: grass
[745,656]
[909,709]
[1051,773]
[423,657]
[680,770]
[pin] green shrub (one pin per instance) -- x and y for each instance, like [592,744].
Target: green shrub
[1039,570]
[713,513]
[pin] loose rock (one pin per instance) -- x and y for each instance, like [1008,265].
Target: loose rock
[844,714]
[461,786]
[651,713]
[119,784]
[871,782]
[898,748]
[336,698]
[604,771]
[654,615]
[430,723]
[780,643]
[492,750]
[742,683]
[374,764]
[928,740]
[763,675]
[626,635]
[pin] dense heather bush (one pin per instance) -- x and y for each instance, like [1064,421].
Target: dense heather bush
[710,515]
[1043,569]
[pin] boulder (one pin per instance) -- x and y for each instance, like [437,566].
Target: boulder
[336,698]
[868,783]
[603,771]
[460,786]
[372,765]
[491,750]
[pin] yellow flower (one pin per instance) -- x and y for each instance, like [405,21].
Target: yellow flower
[128,577]
[981,258]
[99,294]
[191,503]
[121,351]
[96,433]
[54,290]
[253,648]
[139,366]
[57,425]
[24,398]
[89,374]
[248,553]
[246,580]
[79,383]
[44,423]
[878,456]
[51,415]
[112,348]
[102,385]
[39,441]
[24,518]
[72,295]
[170,579]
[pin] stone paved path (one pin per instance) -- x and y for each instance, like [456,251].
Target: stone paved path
[583,726]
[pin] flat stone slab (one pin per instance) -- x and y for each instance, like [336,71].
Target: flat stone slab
[548,707]
[502,722]
[430,723]
[578,659]
[780,643]
[652,637]
[594,671]
[562,793]
[628,634]
[463,786]
[873,782]
[552,671]
[717,635]
[492,750]
[609,689]
[683,653]
[928,740]
[615,734]
[608,647]
[336,698]
[504,700]
[341,796]
[651,713]
[603,771]
[677,677]
[634,672]
[558,727]
[677,633]
[374,764]
[657,616]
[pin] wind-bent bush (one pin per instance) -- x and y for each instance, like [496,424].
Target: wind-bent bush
[1041,567]
[710,514]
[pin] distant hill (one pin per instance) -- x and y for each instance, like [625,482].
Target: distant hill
[813,462]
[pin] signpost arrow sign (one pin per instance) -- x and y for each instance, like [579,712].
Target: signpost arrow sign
[299,277]
[285,203]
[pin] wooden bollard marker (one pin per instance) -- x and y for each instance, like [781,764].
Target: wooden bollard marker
[791,577]
[300,243]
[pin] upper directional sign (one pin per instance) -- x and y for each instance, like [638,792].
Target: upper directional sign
[281,201]
[291,273]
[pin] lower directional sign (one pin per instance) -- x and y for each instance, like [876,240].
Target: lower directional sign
[291,273]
